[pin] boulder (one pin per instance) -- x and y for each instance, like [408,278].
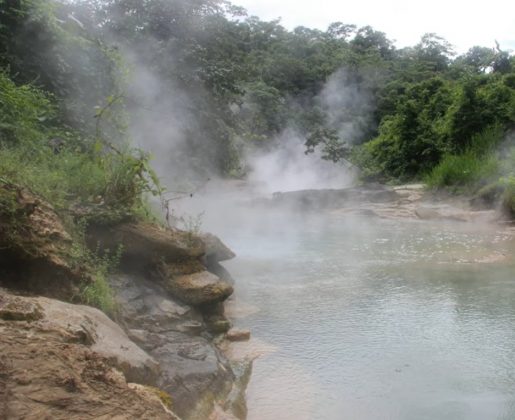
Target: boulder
[427,213]
[145,243]
[83,325]
[175,335]
[60,362]
[36,251]
[199,288]
[216,250]
[219,270]
[236,334]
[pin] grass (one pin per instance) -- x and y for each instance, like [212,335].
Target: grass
[64,166]
[508,201]
[487,168]
[96,291]
[462,171]
[478,166]
[67,168]
[99,294]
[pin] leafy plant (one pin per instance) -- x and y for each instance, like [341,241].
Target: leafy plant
[97,291]
[463,170]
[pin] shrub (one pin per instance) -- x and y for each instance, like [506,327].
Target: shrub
[61,165]
[463,170]
[97,291]
[477,166]
[509,196]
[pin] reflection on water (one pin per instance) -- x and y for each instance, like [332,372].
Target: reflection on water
[378,319]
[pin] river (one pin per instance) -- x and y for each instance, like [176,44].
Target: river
[375,318]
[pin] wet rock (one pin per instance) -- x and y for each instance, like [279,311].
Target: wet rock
[236,334]
[199,288]
[175,335]
[427,213]
[190,327]
[216,250]
[219,270]
[192,369]
[235,403]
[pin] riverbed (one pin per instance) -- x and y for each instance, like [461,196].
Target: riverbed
[375,318]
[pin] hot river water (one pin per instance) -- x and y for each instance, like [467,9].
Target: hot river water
[376,319]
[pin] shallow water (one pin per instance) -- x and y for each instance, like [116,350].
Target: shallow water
[377,319]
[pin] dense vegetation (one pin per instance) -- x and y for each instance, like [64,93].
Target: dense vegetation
[69,98]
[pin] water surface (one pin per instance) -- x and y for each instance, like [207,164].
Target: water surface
[377,319]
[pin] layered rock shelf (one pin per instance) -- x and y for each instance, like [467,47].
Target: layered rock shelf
[158,358]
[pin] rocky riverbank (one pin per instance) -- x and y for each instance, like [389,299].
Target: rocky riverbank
[159,357]
[407,201]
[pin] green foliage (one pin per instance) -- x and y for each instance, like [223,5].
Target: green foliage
[483,169]
[413,111]
[509,195]
[12,218]
[43,43]
[59,164]
[466,170]
[97,291]
[24,113]
[332,147]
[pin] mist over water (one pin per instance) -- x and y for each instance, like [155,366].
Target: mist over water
[289,168]
[371,319]
[376,319]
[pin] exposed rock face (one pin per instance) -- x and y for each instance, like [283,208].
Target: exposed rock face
[85,325]
[235,334]
[176,336]
[61,361]
[36,248]
[170,307]
[333,199]
[199,288]
[149,243]
[216,250]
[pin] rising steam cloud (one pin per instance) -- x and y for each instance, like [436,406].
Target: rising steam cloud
[289,168]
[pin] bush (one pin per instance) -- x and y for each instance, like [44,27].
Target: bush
[25,113]
[61,165]
[96,291]
[487,140]
[68,169]
[509,196]
[467,170]
[474,168]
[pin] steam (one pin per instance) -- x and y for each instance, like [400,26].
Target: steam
[162,122]
[348,101]
[289,168]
